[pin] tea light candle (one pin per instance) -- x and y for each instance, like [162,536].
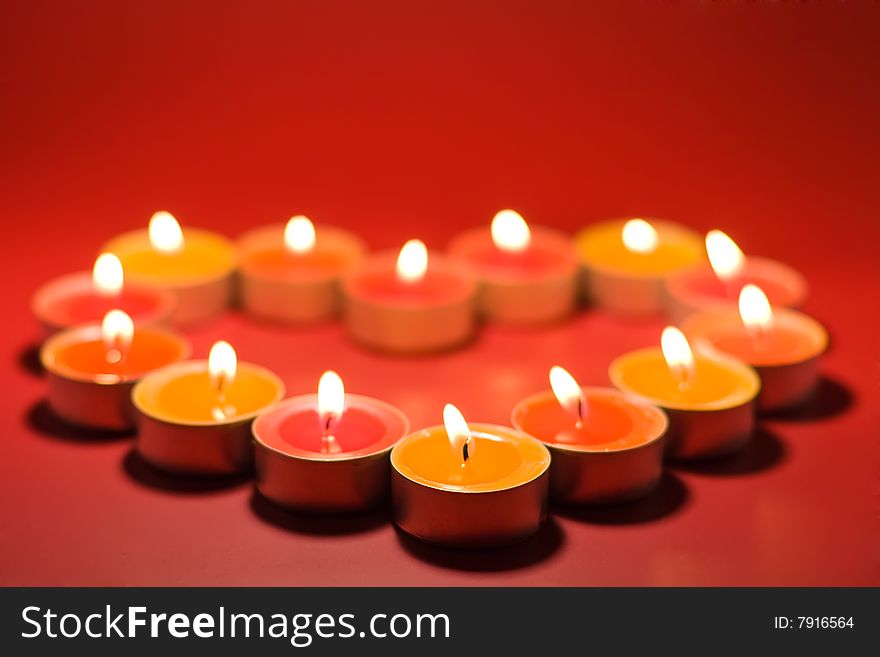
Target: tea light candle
[709,398]
[327,452]
[719,282]
[91,368]
[291,273]
[406,304]
[85,297]
[196,265]
[195,416]
[477,486]
[626,262]
[527,275]
[606,446]
[784,346]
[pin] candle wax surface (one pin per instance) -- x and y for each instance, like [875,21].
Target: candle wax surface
[193,397]
[279,262]
[147,351]
[435,287]
[357,429]
[204,255]
[779,344]
[84,307]
[534,260]
[610,422]
[602,246]
[713,381]
[497,462]
[709,285]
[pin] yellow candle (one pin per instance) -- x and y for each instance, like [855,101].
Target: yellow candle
[627,261]
[197,265]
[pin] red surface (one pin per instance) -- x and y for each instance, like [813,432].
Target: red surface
[402,119]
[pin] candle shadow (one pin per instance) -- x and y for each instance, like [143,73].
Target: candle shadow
[669,497]
[831,398]
[149,476]
[549,539]
[763,452]
[316,524]
[42,419]
[29,360]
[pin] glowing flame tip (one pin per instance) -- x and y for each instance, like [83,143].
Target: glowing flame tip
[510,232]
[412,263]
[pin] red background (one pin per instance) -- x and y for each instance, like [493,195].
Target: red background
[400,119]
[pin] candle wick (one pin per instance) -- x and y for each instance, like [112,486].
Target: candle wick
[464,451]
[579,424]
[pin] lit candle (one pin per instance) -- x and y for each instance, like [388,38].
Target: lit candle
[85,297]
[528,275]
[627,262]
[606,446]
[719,282]
[196,265]
[291,273]
[327,452]
[91,368]
[195,416]
[784,346]
[709,397]
[409,303]
[474,485]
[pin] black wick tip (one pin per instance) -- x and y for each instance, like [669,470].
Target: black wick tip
[464,452]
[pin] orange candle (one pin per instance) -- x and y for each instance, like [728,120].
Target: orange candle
[196,265]
[709,397]
[410,303]
[195,416]
[92,368]
[627,262]
[606,446]
[291,273]
[477,485]
[718,284]
[327,452]
[784,346]
[85,297]
[528,275]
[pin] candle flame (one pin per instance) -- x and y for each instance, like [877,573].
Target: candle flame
[165,233]
[458,432]
[754,308]
[299,234]
[412,263]
[725,256]
[222,365]
[510,232]
[639,236]
[117,330]
[678,355]
[331,397]
[107,276]
[569,393]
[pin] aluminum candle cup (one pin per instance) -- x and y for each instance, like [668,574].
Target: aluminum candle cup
[185,426]
[714,417]
[626,262]
[296,283]
[505,501]
[615,455]
[298,468]
[90,384]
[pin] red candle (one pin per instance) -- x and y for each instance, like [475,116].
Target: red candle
[407,303]
[527,275]
[92,368]
[327,452]
[85,297]
[606,446]
[729,271]
[291,273]
[784,346]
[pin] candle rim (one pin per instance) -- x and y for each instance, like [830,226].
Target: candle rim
[474,489]
[199,366]
[635,400]
[311,399]
[92,332]
[739,396]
